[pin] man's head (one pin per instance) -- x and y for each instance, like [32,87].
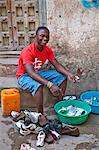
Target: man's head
[42,35]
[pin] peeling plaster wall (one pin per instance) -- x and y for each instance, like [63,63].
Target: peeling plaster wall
[75,38]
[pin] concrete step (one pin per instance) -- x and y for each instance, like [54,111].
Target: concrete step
[8,82]
[12,61]
[9,57]
[10,52]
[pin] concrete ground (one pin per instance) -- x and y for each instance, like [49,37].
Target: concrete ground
[10,139]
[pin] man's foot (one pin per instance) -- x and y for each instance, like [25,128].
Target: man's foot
[50,111]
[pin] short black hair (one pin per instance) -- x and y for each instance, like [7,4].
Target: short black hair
[41,28]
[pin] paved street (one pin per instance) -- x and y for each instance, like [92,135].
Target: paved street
[10,139]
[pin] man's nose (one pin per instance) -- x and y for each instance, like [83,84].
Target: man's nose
[45,38]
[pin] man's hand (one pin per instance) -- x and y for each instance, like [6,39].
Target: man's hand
[56,91]
[73,78]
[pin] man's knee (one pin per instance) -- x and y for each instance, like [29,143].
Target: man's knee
[40,90]
[64,82]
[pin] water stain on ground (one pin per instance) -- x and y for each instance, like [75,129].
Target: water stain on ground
[86,146]
[18,139]
[7,122]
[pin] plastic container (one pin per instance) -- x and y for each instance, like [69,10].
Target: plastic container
[72,119]
[88,95]
[10,101]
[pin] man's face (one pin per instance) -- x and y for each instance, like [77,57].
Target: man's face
[42,37]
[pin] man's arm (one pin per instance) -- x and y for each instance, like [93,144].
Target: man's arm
[60,68]
[55,90]
[34,75]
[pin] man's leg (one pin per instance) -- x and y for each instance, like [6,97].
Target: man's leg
[39,99]
[36,89]
[63,87]
[57,79]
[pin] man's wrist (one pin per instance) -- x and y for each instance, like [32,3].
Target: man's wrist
[49,84]
[68,73]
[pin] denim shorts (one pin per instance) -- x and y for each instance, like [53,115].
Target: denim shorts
[27,83]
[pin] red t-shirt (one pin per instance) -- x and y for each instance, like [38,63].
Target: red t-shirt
[31,55]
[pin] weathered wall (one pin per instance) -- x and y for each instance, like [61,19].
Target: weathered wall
[7,70]
[75,39]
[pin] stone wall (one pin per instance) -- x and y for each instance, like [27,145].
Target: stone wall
[8,70]
[74,36]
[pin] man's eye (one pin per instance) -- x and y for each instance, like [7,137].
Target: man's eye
[41,35]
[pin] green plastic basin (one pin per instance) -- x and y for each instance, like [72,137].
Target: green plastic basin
[72,119]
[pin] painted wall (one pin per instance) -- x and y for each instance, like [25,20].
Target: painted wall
[75,39]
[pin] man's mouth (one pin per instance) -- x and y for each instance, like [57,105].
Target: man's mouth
[43,43]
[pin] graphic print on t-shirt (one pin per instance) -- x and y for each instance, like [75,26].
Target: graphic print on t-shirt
[37,64]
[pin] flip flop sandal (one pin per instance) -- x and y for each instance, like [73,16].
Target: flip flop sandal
[42,120]
[49,138]
[19,124]
[30,126]
[69,97]
[46,128]
[73,131]
[55,135]
[40,139]
[15,114]
[37,130]
[27,120]
[21,116]
[33,116]
[26,147]
[25,132]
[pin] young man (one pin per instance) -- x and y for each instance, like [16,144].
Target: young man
[32,77]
